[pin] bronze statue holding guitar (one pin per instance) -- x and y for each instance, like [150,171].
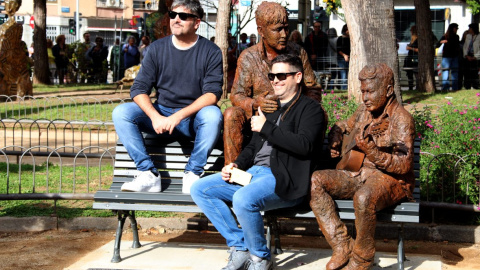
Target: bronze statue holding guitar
[376,169]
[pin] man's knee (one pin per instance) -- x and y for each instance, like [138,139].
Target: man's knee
[210,115]
[242,202]
[121,111]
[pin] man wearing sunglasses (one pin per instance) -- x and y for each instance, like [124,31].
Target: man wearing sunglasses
[282,146]
[185,70]
[251,88]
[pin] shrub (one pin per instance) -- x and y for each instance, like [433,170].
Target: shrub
[451,136]
[338,107]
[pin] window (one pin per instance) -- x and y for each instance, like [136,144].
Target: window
[404,19]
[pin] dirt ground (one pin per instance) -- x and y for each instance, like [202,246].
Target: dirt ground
[59,249]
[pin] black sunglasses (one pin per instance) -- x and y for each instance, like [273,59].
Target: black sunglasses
[182,15]
[280,76]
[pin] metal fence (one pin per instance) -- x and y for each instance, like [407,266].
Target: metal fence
[328,73]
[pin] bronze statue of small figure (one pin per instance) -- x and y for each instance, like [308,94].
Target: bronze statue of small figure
[376,170]
[251,87]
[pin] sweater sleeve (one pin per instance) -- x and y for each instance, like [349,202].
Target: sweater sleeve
[146,78]
[213,80]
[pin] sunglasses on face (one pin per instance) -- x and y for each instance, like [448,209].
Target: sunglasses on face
[182,15]
[280,76]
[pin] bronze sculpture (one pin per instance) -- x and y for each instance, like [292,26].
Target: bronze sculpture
[383,132]
[251,88]
[14,60]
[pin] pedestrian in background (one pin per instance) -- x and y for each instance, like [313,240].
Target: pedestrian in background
[332,55]
[51,61]
[99,54]
[131,55]
[316,44]
[116,61]
[471,52]
[253,40]
[296,37]
[411,61]
[451,50]
[144,47]
[60,52]
[343,56]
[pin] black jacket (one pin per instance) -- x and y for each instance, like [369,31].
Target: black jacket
[294,144]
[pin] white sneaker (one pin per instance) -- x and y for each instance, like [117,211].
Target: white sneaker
[188,179]
[144,182]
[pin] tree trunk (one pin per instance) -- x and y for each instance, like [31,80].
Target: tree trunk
[41,73]
[371,25]
[221,34]
[426,69]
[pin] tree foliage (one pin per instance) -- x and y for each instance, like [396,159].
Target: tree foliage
[474,6]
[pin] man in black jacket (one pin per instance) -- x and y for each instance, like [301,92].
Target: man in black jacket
[279,157]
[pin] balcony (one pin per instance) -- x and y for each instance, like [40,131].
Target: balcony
[110,4]
[145,5]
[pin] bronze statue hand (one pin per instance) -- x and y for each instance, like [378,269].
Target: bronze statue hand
[367,146]
[267,105]
[335,148]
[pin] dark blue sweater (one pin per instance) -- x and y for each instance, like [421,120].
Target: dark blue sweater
[180,76]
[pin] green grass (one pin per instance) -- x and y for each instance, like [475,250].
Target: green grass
[48,89]
[65,109]
[463,97]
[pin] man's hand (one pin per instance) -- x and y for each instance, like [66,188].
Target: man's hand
[227,171]
[267,105]
[163,124]
[258,121]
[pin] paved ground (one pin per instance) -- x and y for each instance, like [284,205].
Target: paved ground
[159,255]
[167,249]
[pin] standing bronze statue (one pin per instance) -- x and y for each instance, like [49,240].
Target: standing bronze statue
[14,70]
[251,88]
[376,169]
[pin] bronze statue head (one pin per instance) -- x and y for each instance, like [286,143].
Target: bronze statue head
[377,86]
[272,25]
[12,6]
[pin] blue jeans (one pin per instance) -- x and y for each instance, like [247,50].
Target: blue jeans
[213,195]
[452,64]
[343,73]
[130,121]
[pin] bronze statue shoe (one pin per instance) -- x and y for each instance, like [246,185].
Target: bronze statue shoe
[357,263]
[341,255]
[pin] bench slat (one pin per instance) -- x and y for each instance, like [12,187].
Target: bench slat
[168,150]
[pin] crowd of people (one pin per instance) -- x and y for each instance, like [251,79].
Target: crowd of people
[459,66]
[328,52]
[88,62]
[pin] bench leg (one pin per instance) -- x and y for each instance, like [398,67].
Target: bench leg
[400,251]
[272,226]
[118,236]
[133,222]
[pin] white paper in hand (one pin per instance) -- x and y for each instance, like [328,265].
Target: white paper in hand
[240,177]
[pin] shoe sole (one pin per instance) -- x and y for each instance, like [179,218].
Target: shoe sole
[152,189]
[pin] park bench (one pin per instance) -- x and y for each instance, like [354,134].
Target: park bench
[170,158]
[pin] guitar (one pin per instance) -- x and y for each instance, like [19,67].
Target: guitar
[352,157]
